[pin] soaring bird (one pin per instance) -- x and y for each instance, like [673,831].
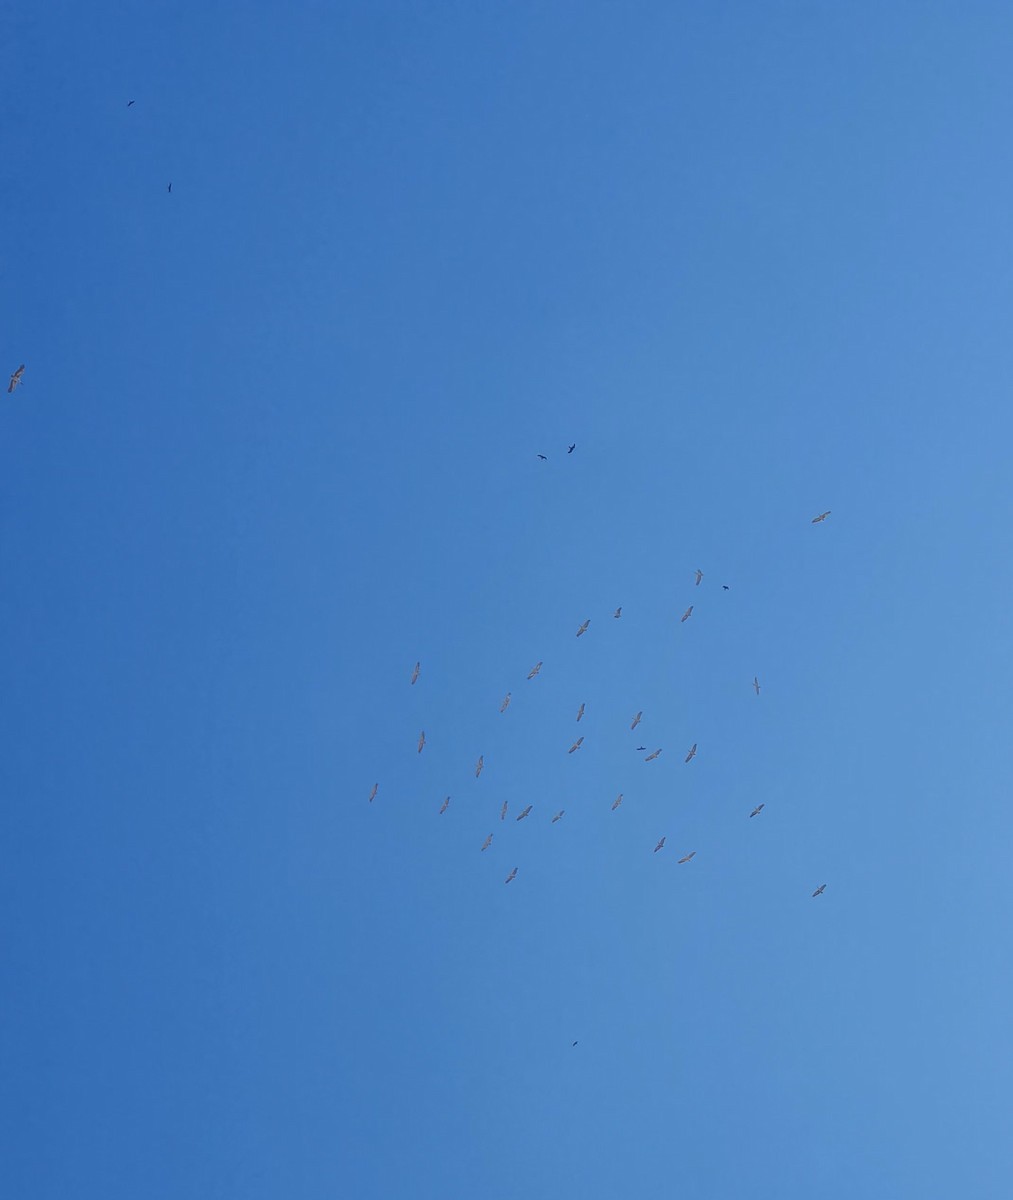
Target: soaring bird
[583,628]
[534,670]
[575,746]
[544,457]
[170,187]
[445,805]
[487,843]
[724,587]
[618,613]
[574,1044]
[692,752]
[557,816]
[422,740]
[636,720]
[820,890]
[512,875]
[757,810]
[415,671]
[699,576]
[756,685]
[617,801]
[129,102]
[15,379]
[525,812]
[502,811]
[686,615]
[580,712]
[687,857]
[506,703]
[570,449]
[822,517]
[659,845]
[641,748]
[479,765]
[372,794]
[652,757]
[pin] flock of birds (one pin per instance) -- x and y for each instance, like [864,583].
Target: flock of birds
[532,674]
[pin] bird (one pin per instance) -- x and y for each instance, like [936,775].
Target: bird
[502,811]
[822,517]
[487,843]
[422,740]
[15,379]
[757,810]
[618,613]
[583,628]
[756,685]
[724,587]
[686,615]
[415,672]
[534,670]
[445,805]
[636,720]
[479,765]
[570,449]
[575,746]
[692,752]
[659,845]
[820,890]
[506,703]
[170,187]
[699,576]
[557,816]
[512,875]
[617,801]
[652,757]
[687,857]
[372,794]
[544,457]
[580,712]
[641,747]
[573,1044]
[129,102]
[525,812]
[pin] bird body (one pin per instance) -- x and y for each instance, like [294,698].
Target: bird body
[479,765]
[15,379]
[575,746]
[580,712]
[757,810]
[525,812]
[512,875]
[820,890]
[822,517]
[692,752]
[686,615]
[583,628]
[636,720]
[534,670]
[652,757]
[659,845]
[506,703]
[686,857]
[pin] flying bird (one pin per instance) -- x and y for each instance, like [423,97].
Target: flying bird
[479,765]
[724,587]
[687,857]
[512,875]
[756,685]
[444,806]
[15,379]
[641,747]
[415,672]
[574,1044]
[636,720]
[617,801]
[525,812]
[820,890]
[502,811]
[575,746]
[699,576]
[534,670]
[618,613]
[557,816]
[170,187]
[580,712]
[652,757]
[544,457]
[757,810]
[487,843]
[692,752]
[583,628]
[422,740]
[659,845]
[570,449]
[822,517]
[129,102]
[506,703]
[686,615]
[372,794]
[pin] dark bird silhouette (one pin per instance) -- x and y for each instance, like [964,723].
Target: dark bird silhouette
[415,672]
[512,875]
[525,812]
[506,703]
[557,816]
[574,1043]
[580,712]
[372,794]
[479,765]
[687,614]
[445,805]
[15,379]
[686,858]
[583,628]
[757,810]
[170,187]
[724,587]
[699,576]
[502,811]
[692,753]
[487,843]
[571,449]
[617,801]
[576,745]
[422,740]
[756,685]
[544,457]
[618,613]
[534,670]
[641,747]
[820,890]
[129,102]
[822,517]
[659,845]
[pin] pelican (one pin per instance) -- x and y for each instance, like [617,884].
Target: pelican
[822,517]
[686,615]
[757,810]
[534,670]
[692,752]
[583,628]
[699,576]
[512,875]
[575,746]
[415,672]
[444,806]
[557,816]
[659,845]
[422,740]
[372,794]
[580,712]
[820,890]
[525,812]
[756,685]
[687,857]
[16,378]
[479,765]
[617,801]
[652,757]
[487,843]
[636,719]
[506,703]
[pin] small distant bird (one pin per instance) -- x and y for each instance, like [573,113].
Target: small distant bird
[502,811]
[525,812]
[652,757]
[506,703]
[415,672]
[687,857]
[692,752]
[574,1044]
[129,102]
[570,449]
[487,843]
[512,875]
[618,613]
[686,615]
[699,576]
[641,747]
[479,765]
[724,587]
[820,890]
[544,457]
[576,745]
[15,379]
[422,740]
[372,794]
[170,187]
[756,685]
[659,845]
[557,816]
[580,712]
[583,628]
[444,806]
[822,517]
[636,720]
[757,810]
[617,801]
[534,670]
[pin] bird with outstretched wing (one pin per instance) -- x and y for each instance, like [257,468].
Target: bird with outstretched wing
[479,765]
[506,703]
[525,812]
[415,672]
[372,794]
[512,875]
[659,845]
[534,670]
[444,806]
[617,801]
[580,712]
[686,615]
[757,810]
[557,816]
[636,720]
[699,576]
[583,628]
[692,753]
[487,843]
[822,517]
[422,740]
[756,685]
[652,757]
[820,890]
[576,745]
[618,613]
[502,811]
[16,378]
[686,857]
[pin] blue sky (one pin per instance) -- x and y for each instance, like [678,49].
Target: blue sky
[276,441]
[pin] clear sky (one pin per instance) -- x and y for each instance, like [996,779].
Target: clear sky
[276,441]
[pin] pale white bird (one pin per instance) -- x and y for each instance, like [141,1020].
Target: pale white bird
[534,670]
[372,794]
[487,843]
[617,801]
[445,805]
[686,615]
[415,671]
[652,757]
[479,765]
[525,812]
[506,703]
[687,857]
[512,875]
[580,712]
[822,517]
[557,816]
[820,890]
[636,720]
[756,685]
[692,752]
[583,628]
[659,845]
[699,576]
[757,810]
[575,746]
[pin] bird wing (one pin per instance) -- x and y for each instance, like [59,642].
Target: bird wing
[687,614]
[819,891]
[534,670]
[16,378]
[636,720]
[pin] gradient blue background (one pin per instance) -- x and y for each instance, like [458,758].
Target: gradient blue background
[276,441]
